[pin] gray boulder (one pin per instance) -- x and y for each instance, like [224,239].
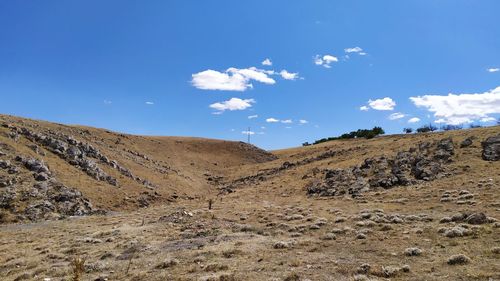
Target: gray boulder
[477,218]
[41,177]
[466,142]
[491,148]
[4,164]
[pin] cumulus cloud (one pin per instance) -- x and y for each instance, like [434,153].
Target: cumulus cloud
[493,70]
[381,104]
[353,50]
[302,121]
[233,79]
[364,108]
[396,116]
[248,133]
[253,116]
[288,75]
[267,62]
[272,120]
[287,121]
[455,109]
[325,60]
[150,103]
[414,120]
[233,104]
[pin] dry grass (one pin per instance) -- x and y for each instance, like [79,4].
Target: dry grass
[235,239]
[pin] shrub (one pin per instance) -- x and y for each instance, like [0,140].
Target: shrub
[427,128]
[360,133]
[407,130]
[451,127]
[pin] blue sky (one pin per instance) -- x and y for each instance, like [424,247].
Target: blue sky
[194,68]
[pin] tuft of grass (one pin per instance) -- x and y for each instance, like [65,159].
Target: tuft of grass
[78,268]
[292,277]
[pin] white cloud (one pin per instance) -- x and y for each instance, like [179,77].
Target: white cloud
[325,60]
[302,121]
[253,73]
[288,127]
[364,108]
[267,62]
[287,121]
[248,133]
[272,120]
[382,104]
[487,119]
[233,104]
[150,103]
[253,116]
[396,115]
[414,120]
[288,75]
[362,54]
[107,102]
[233,79]
[263,128]
[491,70]
[458,109]
[353,50]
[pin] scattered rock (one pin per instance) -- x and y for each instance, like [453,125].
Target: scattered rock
[457,231]
[466,142]
[458,259]
[41,176]
[364,268]
[413,252]
[282,245]
[390,271]
[4,164]
[360,236]
[329,236]
[491,148]
[477,218]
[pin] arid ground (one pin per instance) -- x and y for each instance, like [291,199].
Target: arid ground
[80,203]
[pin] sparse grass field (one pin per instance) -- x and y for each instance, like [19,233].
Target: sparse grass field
[268,229]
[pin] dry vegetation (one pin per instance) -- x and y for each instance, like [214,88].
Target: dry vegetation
[261,224]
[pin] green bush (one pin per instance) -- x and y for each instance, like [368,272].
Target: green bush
[360,133]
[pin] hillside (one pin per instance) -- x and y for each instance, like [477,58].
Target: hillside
[400,207]
[113,171]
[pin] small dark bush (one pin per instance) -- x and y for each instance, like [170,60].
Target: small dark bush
[360,133]
[427,128]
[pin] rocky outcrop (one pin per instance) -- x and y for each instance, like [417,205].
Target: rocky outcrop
[46,198]
[491,148]
[273,172]
[80,154]
[423,163]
